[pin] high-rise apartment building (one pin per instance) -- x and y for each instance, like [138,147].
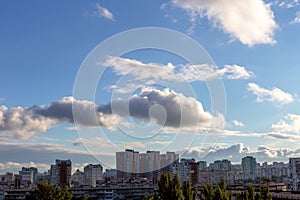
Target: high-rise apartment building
[187,169]
[93,174]
[150,165]
[167,160]
[294,168]
[128,164]
[249,167]
[60,173]
[28,175]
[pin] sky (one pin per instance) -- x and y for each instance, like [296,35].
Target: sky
[206,79]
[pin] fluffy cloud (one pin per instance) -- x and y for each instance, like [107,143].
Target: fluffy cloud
[250,22]
[24,123]
[275,95]
[237,123]
[235,153]
[20,123]
[103,12]
[182,73]
[166,107]
[291,124]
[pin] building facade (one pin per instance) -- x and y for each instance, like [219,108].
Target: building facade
[60,173]
[93,174]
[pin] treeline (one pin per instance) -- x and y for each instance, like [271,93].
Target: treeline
[170,189]
[46,191]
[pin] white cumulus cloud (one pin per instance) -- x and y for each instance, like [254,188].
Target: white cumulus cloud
[251,22]
[291,124]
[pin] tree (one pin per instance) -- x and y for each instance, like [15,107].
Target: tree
[208,192]
[250,190]
[222,184]
[220,191]
[46,191]
[165,186]
[187,190]
[246,195]
[176,188]
[169,188]
[265,192]
[195,193]
[239,196]
[83,197]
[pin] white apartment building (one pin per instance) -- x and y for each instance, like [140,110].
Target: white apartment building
[93,174]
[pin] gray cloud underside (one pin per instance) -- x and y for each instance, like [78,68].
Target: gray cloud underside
[165,107]
[178,109]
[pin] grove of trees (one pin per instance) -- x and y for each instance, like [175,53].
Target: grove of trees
[170,189]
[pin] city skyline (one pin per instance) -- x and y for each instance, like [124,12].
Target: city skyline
[166,158]
[251,50]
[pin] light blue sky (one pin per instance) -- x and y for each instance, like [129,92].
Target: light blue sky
[43,44]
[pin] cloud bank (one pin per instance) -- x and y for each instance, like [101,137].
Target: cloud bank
[235,153]
[163,107]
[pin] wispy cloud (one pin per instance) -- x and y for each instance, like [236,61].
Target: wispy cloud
[103,12]
[147,73]
[231,17]
[275,95]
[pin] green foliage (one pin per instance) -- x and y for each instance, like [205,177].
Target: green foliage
[165,186]
[246,195]
[265,192]
[195,193]
[250,190]
[222,185]
[83,197]
[187,190]
[47,191]
[220,191]
[239,196]
[208,192]
[176,188]
[169,188]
